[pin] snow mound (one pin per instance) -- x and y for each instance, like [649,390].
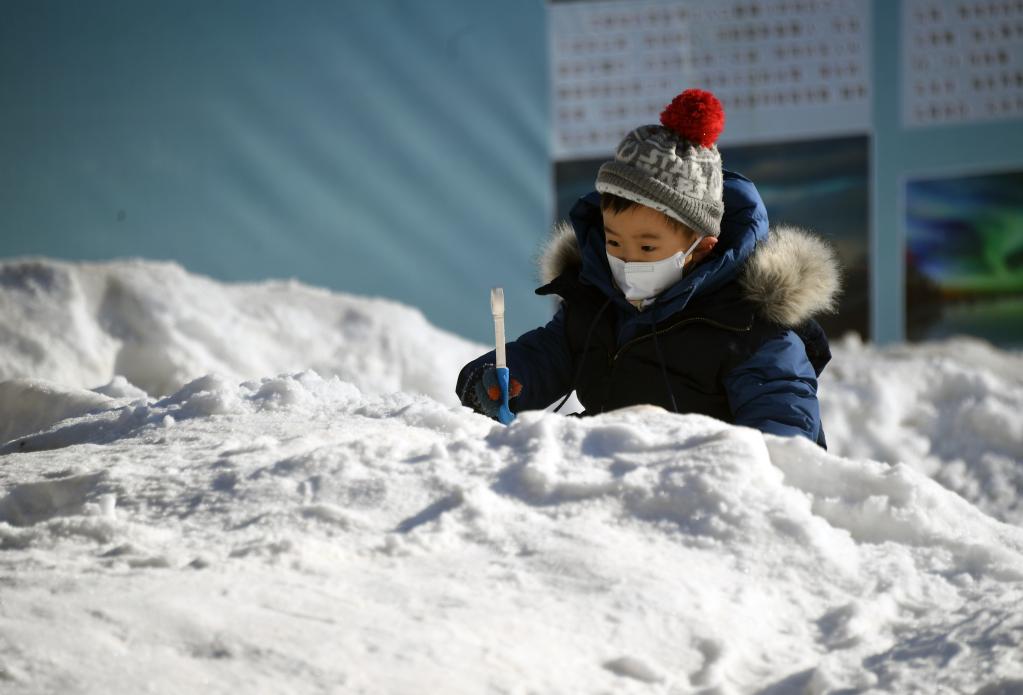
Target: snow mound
[166,506]
[296,534]
[202,397]
[158,327]
[30,405]
[952,410]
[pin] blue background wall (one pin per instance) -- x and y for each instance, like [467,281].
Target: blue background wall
[387,148]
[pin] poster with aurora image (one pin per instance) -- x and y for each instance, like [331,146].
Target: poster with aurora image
[964,257]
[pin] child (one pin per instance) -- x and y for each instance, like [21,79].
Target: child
[674,293]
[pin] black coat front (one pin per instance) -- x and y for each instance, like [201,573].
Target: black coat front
[679,364]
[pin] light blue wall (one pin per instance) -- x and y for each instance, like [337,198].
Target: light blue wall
[393,148]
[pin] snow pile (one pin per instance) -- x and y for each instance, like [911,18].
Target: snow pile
[292,534]
[30,405]
[168,507]
[158,326]
[952,410]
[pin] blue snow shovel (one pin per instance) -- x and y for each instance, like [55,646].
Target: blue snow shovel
[504,415]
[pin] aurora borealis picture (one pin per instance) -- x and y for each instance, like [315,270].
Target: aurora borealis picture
[964,257]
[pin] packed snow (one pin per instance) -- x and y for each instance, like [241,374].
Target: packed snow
[271,488]
[159,327]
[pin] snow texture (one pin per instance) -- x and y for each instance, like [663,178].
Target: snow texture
[83,324]
[336,524]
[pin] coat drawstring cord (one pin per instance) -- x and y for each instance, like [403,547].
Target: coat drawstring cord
[660,358]
[582,357]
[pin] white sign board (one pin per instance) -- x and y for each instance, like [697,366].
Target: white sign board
[784,69]
[962,61]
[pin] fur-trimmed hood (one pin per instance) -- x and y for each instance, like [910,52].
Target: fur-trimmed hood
[792,276]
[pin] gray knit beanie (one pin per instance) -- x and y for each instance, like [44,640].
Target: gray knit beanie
[675,167]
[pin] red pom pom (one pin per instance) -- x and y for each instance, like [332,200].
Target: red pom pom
[696,115]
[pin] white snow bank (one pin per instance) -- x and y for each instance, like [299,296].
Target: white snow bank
[158,326]
[31,405]
[952,410]
[292,534]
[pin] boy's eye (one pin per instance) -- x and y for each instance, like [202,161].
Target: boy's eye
[611,242]
[648,249]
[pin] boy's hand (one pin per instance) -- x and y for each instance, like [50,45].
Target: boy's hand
[483,392]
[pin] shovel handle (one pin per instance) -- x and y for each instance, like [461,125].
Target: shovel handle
[504,414]
[497,309]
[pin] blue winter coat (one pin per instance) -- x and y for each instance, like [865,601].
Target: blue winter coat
[734,339]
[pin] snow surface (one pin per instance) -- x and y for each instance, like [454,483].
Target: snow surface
[268,488]
[158,326]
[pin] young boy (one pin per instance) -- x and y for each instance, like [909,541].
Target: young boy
[674,293]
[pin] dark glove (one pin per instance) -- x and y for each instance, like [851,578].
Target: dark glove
[482,391]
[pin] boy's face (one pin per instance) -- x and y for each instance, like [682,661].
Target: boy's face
[641,234]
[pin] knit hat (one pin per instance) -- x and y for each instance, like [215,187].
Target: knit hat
[675,167]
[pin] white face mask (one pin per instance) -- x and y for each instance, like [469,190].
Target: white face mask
[640,280]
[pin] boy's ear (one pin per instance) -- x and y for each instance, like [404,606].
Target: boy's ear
[704,248]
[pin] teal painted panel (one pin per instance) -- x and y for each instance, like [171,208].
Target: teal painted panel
[385,148]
